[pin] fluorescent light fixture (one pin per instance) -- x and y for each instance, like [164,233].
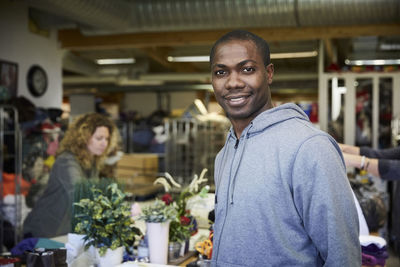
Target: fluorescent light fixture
[200,106]
[189,59]
[294,55]
[113,61]
[273,56]
[372,62]
[389,47]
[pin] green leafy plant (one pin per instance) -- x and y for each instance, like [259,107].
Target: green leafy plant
[158,212]
[83,189]
[178,232]
[105,219]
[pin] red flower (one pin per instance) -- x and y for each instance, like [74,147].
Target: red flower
[185,220]
[167,198]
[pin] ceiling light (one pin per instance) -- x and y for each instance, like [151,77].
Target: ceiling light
[112,61]
[389,47]
[294,55]
[189,59]
[372,62]
[273,56]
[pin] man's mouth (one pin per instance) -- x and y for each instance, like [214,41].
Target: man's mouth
[237,100]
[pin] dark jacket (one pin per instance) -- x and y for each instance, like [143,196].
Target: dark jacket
[51,215]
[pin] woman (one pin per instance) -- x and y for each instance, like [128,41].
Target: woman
[383,163]
[80,156]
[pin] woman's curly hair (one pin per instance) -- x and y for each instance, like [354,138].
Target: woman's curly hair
[77,136]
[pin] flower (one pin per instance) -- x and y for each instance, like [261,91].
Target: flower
[185,220]
[167,198]
[135,210]
[184,224]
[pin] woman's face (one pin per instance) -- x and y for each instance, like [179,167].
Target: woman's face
[98,142]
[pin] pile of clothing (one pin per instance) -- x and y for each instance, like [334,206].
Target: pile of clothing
[373,250]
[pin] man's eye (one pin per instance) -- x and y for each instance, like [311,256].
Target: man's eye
[219,72]
[249,69]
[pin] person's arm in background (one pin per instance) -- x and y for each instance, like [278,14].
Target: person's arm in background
[384,163]
[369,165]
[354,150]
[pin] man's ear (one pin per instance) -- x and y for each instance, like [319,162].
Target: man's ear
[270,72]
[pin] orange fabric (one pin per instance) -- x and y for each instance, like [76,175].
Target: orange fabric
[9,185]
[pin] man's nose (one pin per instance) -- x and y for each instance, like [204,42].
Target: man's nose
[234,81]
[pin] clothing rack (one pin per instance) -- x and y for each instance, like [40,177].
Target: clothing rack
[394,189]
[9,127]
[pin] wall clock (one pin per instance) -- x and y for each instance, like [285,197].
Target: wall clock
[37,80]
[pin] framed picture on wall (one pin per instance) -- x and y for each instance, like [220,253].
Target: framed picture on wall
[8,80]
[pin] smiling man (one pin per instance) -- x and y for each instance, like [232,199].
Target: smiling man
[282,194]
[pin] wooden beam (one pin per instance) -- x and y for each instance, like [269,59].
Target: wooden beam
[74,40]
[160,54]
[330,51]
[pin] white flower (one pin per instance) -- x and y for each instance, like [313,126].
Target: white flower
[163,182]
[194,185]
[169,177]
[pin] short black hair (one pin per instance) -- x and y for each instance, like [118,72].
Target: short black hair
[261,44]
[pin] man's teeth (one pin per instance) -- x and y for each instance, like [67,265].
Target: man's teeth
[237,99]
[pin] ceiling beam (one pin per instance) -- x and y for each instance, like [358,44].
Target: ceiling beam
[72,39]
[160,54]
[330,51]
[74,63]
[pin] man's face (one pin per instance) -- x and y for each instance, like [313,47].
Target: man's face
[240,80]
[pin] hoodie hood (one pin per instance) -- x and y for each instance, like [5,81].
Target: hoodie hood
[263,121]
[270,117]
[276,115]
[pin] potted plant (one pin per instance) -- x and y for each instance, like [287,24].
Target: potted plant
[158,216]
[105,221]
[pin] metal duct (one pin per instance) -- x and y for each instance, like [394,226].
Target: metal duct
[183,15]
[97,14]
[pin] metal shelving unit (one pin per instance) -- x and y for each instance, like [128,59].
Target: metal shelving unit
[191,146]
[10,153]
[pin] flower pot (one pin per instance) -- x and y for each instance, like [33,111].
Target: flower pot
[174,249]
[158,234]
[184,247]
[111,258]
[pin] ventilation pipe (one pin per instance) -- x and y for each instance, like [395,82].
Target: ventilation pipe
[185,15]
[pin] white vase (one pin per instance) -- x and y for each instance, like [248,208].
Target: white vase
[158,234]
[111,258]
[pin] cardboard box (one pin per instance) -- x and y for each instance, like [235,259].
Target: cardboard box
[143,163]
[137,171]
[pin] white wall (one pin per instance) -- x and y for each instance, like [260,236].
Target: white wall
[19,45]
[81,104]
[145,103]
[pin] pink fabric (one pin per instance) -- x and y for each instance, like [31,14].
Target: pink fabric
[52,148]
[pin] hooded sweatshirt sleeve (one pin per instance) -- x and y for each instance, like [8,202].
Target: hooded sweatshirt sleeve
[324,200]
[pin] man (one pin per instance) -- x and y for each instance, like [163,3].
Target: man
[282,194]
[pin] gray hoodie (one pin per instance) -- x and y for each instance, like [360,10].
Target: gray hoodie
[282,196]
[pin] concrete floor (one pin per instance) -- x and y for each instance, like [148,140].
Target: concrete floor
[393,260]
